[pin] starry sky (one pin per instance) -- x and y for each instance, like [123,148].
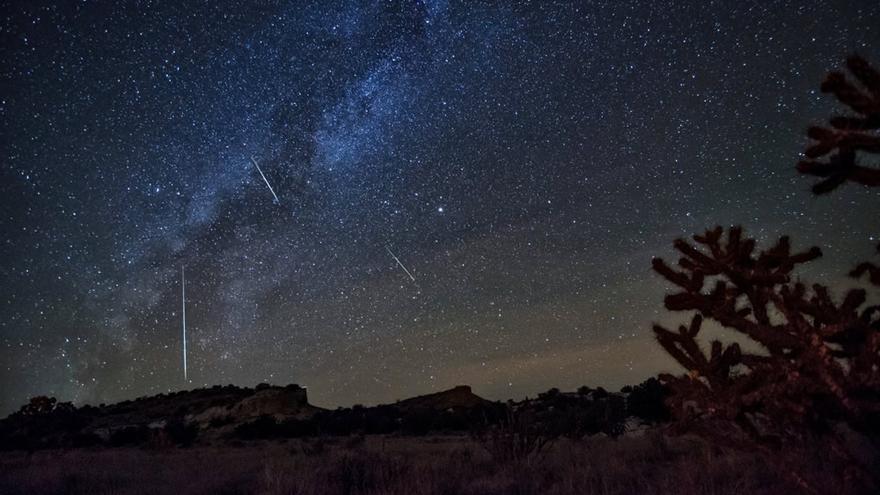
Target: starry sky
[523,161]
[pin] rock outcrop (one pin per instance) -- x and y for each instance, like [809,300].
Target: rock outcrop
[460,397]
[280,403]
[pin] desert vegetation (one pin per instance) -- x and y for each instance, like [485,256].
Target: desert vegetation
[381,464]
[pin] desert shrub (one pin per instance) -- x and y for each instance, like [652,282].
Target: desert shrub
[314,447]
[418,422]
[182,433]
[579,415]
[263,427]
[379,420]
[38,406]
[297,428]
[517,437]
[606,415]
[647,401]
[43,423]
[130,435]
[84,440]
[549,394]
[355,441]
[220,421]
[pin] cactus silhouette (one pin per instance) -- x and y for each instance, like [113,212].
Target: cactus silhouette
[847,136]
[815,368]
[847,139]
[817,359]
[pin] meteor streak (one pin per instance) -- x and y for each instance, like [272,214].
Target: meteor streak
[265,180]
[399,263]
[183,307]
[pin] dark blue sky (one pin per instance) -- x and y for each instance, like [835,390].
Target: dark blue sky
[523,160]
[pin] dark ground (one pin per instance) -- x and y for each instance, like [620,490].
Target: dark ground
[376,464]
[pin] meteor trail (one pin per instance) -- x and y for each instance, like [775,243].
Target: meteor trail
[399,263]
[265,180]
[183,307]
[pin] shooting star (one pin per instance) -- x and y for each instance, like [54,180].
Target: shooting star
[183,307]
[265,180]
[399,263]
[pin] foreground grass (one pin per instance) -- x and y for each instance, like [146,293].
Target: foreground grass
[400,465]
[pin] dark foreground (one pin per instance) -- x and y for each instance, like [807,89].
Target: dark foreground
[404,465]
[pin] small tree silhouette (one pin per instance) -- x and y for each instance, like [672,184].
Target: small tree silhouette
[518,437]
[42,405]
[38,405]
[817,372]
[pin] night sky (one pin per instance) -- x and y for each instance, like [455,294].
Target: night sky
[523,161]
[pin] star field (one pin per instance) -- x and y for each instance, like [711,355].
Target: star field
[523,160]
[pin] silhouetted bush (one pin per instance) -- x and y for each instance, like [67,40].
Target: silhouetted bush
[261,428]
[38,406]
[84,440]
[129,436]
[549,394]
[182,433]
[220,421]
[647,401]
[517,437]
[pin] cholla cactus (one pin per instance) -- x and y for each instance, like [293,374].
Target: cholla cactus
[847,136]
[818,362]
[871,269]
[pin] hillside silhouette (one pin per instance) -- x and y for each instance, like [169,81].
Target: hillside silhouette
[228,413]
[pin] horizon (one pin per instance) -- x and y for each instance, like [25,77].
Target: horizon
[330,407]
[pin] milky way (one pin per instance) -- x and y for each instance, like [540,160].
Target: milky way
[523,160]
